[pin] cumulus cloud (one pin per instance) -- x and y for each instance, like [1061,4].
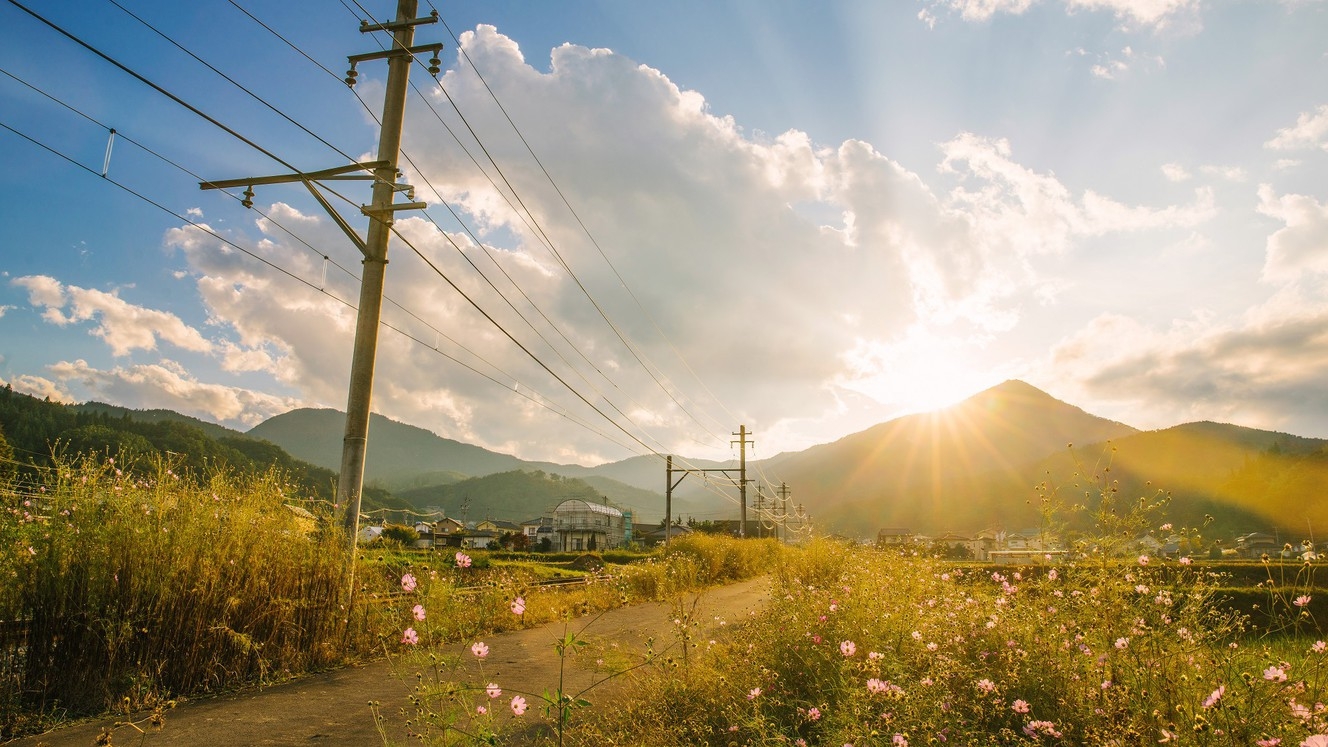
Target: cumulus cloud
[732,253]
[167,385]
[1301,246]
[1175,172]
[41,388]
[1264,370]
[1309,131]
[123,326]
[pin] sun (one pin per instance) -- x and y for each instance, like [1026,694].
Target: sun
[921,372]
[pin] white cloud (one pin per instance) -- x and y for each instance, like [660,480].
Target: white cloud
[1309,131]
[124,327]
[1302,245]
[1150,13]
[812,264]
[1154,13]
[1175,172]
[168,385]
[1264,370]
[1227,173]
[41,388]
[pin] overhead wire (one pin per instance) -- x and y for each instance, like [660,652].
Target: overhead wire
[541,401]
[233,132]
[548,243]
[444,233]
[501,295]
[586,229]
[240,137]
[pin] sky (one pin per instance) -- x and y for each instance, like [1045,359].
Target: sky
[650,224]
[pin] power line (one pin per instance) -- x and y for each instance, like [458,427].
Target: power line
[279,160]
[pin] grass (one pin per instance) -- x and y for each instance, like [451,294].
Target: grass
[137,584]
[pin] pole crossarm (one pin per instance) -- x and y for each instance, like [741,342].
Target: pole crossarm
[310,176]
[386,54]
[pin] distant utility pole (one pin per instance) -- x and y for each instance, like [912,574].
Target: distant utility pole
[742,475]
[381,216]
[670,484]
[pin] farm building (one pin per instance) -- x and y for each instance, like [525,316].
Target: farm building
[581,525]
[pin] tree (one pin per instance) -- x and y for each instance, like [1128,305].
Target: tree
[6,456]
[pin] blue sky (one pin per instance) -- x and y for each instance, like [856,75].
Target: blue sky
[805,218]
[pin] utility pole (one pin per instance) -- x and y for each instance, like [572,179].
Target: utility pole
[742,475]
[381,216]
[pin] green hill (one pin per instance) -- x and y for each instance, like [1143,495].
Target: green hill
[39,431]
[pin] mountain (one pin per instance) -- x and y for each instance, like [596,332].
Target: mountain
[396,450]
[972,466]
[1243,478]
[898,472]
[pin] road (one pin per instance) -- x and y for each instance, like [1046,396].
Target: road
[332,708]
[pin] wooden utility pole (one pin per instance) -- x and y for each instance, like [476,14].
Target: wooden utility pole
[381,216]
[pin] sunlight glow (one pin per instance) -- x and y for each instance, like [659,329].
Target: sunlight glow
[922,372]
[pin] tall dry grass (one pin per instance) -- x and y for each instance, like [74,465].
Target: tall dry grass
[136,584]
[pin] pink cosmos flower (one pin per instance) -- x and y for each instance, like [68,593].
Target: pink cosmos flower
[814,713]
[1270,742]
[410,637]
[493,690]
[418,611]
[1037,728]
[518,705]
[407,582]
[875,656]
[1020,706]
[1143,560]
[1319,647]
[1052,575]
[754,693]
[1186,560]
[479,649]
[1302,600]
[899,740]
[1215,696]
[462,560]
[848,648]
[1122,643]
[519,606]
[1277,674]
[986,686]
[1318,740]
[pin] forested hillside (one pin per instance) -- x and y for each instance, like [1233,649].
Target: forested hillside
[40,431]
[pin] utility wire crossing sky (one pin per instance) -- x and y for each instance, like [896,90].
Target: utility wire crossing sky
[650,223]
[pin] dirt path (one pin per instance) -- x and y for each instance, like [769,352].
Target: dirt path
[333,708]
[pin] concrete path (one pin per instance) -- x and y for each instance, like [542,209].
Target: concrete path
[333,708]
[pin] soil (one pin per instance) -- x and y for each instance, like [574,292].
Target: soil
[333,708]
